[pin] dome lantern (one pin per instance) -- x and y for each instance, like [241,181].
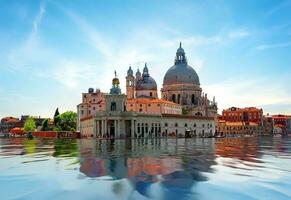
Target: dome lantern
[115,85]
[180,55]
[145,71]
[137,74]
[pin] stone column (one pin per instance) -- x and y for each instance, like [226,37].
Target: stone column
[94,128]
[132,128]
[105,126]
[115,129]
[102,128]
[99,128]
[135,127]
[118,128]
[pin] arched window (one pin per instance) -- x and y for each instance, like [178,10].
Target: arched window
[138,128]
[151,94]
[174,98]
[198,114]
[193,99]
[113,106]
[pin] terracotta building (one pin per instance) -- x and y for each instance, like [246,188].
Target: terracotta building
[282,122]
[248,114]
[239,128]
[8,123]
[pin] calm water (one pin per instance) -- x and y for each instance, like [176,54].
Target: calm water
[228,168]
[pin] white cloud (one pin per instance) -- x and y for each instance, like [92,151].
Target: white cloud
[272,46]
[70,73]
[246,91]
[38,19]
[241,33]
[93,36]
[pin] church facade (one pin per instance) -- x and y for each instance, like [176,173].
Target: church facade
[182,111]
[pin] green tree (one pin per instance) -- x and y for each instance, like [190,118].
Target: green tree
[29,125]
[66,121]
[184,111]
[45,125]
[57,113]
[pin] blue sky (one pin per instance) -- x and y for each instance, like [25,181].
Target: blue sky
[52,51]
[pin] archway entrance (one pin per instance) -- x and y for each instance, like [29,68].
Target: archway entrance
[111,128]
[187,134]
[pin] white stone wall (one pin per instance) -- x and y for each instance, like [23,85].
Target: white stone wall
[150,126]
[171,109]
[198,127]
[147,93]
[87,128]
[170,126]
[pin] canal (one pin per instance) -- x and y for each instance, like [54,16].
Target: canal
[195,168]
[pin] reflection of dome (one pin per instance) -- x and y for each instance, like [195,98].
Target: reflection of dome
[181,72]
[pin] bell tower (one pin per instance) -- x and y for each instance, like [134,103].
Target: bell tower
[130,84]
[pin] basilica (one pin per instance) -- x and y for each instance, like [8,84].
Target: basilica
[182,111]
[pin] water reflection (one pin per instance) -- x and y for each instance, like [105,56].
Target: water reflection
[174,164]
[245,149]
[150,168]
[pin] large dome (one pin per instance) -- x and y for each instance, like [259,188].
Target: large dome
[181,72]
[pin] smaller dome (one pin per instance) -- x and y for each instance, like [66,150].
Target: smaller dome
[129,72]
[146,83]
